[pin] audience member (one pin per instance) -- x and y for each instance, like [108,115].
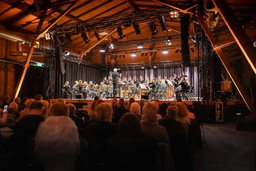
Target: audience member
[120,111]
[23,102]
[7,101]
[157,107]
[136,110]
[26,111]
[3,118]
[129,150]
[149,124]
[13,109]
[162,109]
[18,101]
[78,121]
[61,100]
[114,104]
[46,107]
[57,143]
[182,116]
[129,104]
[58,109]
[38,97]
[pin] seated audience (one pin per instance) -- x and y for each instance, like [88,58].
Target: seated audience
[57,143]
[46,107]
[61,100]
[78,121]
[136,110]
[13,109]
[114,104]
[182,116]
[18,101]
[129,149]
[58,109]
[23,101]
[149,124]
[142,102]
[3,118]
[162,109]
[129,104]
[120,111]
[26,111]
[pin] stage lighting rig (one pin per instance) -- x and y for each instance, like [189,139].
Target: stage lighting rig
[133,54]
[162,23]
[153,28]
[61,40]
[120,32]
[111,46]
[85,38]
[136,27]
[97,35]
[174,14]
[169,41]
[140,46]
[165,51]
[176,51]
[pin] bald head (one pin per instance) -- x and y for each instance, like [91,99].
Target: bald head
[58,109]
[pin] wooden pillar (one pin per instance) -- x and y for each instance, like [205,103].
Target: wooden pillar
[237,32]
[227,66]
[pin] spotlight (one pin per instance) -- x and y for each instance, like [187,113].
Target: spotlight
[142,54]
[127,22]
[146,54]
[192,49]
[165,51]
[176,51]
[136,27]
[102,50]
[97,35]
[120,32]
[174,14]
[194,38]
[111,46]
[162,22]
[142,67]
[169,41]
[133,54]
[66,53]
[151,53]
[85,38]
[68,37]
[154,66]
[123,56]
[140,46]
[153,28]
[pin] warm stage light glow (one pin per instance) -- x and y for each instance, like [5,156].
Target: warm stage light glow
[133,54]
[139,46]
[165,51]
[102,50]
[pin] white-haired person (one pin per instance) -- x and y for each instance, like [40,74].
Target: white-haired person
[26,111]
[58,109]
[183,116]
[149,124]
[57,143]
[136,109]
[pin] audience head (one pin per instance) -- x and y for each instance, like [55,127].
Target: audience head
[98,102]
[182,109]
[129,124]
[135,108]
[7,98]
[72,109]
[121,102]
[38,97]
[114,102]
[149,113]
[57,142]
[17,100]
[13,106]
[36,108]
[58,109]
[96,98]
[29,102]
[131,101]
[171,112]
[142,102]
[61,100]
[46,106]
[156,104]
[103,112]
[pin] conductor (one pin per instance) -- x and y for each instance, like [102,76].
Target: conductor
[115,78]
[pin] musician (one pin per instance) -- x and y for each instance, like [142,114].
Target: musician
[115,77]
[105,80]
[125,80]
[182,88]
[66,89]
[153,87]
[109,79]
[147,81]
[141,80]
[130,79]
[183,75]
[175,80]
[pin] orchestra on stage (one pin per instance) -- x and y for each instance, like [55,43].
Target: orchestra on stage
[173,88]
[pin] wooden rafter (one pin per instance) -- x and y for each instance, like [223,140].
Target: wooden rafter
[132,5]
[226,64]
[38,7]
[12,6]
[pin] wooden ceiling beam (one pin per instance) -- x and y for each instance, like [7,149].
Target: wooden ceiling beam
[132,5]
[12,6]
[43,16]
[69,15]
[38,8]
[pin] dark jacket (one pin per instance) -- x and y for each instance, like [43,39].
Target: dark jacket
[131,152]
[118,113]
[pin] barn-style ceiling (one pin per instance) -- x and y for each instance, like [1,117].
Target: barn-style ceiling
[102,16]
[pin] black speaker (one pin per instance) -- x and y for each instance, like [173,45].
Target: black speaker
[144,96]
[59,60]
[184,28]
